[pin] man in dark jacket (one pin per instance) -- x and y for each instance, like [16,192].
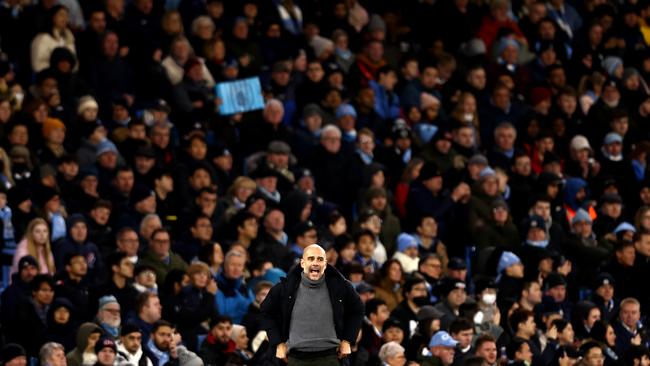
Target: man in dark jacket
[218,347]
[19,291]
[295,305]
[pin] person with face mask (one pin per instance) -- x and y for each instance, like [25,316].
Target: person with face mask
[414,291]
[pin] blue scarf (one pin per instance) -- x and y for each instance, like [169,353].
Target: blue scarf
[163,357]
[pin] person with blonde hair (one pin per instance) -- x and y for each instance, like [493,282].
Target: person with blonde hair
[37,244]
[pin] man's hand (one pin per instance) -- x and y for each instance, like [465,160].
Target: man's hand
[461,191]
[281,352]
[344,349]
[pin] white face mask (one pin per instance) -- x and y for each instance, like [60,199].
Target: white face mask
[478,317]
[489,299]
[468,117]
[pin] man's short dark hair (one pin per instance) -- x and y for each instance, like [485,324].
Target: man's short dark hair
[460,324]
[513,347]
[411,281]
[620,245]
[220,319]
[361,233]
[372,306]
[115,258]
[519,316]
[69,256]
[159,324]
[38,280]
[484,338]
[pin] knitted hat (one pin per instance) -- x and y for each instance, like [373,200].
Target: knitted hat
[50,124]
[507,259]
[106,146]
[87,102]
[611,63]
[428,171]
[345,110]
[11,351]
[27,260]
[612,137]
[405,241]
[105,343]
[129,328]
[105,300]
[311,109]
[581,216]
[539,94]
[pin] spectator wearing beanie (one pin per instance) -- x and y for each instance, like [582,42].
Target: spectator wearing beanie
[19,291]
[407,252]
[77,241]
[53,134]
[585,249]
[129,347]
[12,354]
[106,351]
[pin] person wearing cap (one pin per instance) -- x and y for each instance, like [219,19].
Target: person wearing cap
[611,156]
[396,157]
[442,350]
[610,215]
[19,291]
[453,295]
[407,252]
[108,316]
[267,183]
[12,354]
[129,346]
[603,296]
[289,324]
[426,196]
[346,116]
[585,249]
[106,351]
[279,158]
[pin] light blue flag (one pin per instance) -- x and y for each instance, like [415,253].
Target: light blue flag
[240,96]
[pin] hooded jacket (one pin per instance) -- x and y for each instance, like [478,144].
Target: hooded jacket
[75,357]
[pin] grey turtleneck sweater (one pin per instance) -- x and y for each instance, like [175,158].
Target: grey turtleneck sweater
[312,319]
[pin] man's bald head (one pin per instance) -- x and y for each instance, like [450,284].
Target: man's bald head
[314,262]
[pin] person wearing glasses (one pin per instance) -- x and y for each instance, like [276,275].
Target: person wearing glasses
[160,257]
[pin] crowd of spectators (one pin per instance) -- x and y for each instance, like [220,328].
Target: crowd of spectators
[477,169]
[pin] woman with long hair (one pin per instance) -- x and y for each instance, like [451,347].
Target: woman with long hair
[37,244]
[57,34]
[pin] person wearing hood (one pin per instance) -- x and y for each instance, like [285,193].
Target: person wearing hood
[61,324]
[612,159]
[77,241]
[499,229]
[407,252]
[576,194]
[84,354]
[19,291]
[484,193]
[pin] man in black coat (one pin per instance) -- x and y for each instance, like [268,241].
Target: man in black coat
[294,306]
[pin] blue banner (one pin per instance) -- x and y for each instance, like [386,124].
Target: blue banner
[240,96]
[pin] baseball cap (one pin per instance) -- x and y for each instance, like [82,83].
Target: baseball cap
[443,339]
